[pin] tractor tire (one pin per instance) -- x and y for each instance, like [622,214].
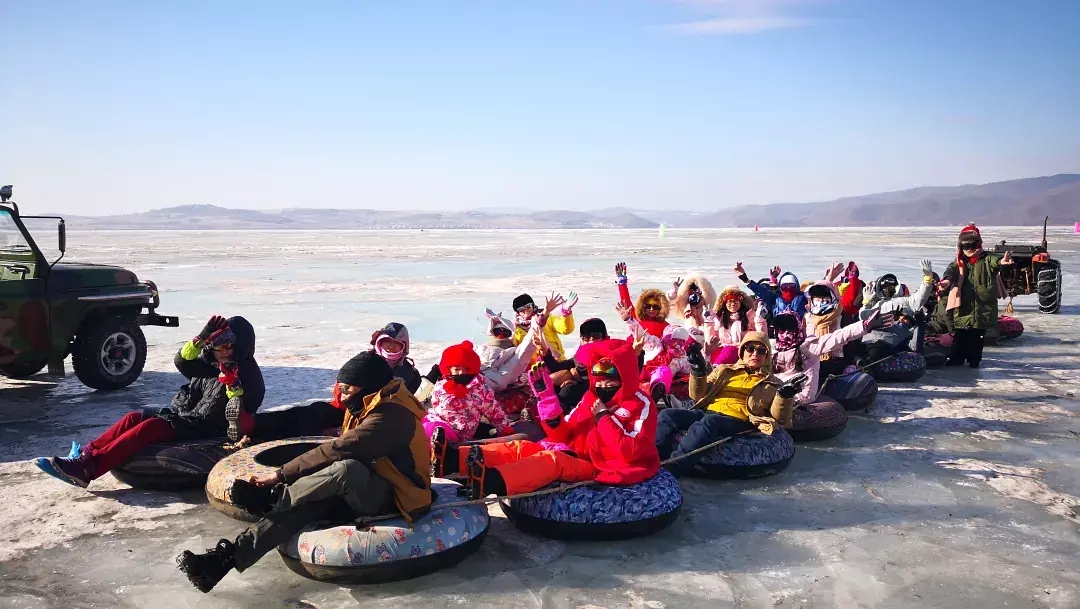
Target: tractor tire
[109,353]
[20,371]
[1048,285]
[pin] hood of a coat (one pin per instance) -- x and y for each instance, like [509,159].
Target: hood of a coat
[625,359]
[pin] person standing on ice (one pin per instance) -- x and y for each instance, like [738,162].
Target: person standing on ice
[224,389]
[608,437]
[973,294]
[558,324]
[790,299]
[378,465]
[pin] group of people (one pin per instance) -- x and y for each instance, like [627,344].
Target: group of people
[735,362]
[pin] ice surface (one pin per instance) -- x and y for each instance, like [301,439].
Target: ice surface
[957,491]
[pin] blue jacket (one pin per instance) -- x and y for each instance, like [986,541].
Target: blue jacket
[776,305]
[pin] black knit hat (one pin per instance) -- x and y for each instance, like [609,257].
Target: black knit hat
[522,301]
[594,325]
[369,371]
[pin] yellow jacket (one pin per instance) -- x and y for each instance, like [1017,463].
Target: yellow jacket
[556,325]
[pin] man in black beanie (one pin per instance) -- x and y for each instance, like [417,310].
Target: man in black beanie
[380,464]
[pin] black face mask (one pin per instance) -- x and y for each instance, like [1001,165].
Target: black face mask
[606,394]
[462,379]
[889,291]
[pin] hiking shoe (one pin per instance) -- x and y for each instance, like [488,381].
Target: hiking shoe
[204,571]
[75,472]
[254,499]
[76,451]
[232,415]
[659,396]
[439,447]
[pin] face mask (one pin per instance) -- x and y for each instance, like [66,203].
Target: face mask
[605,394]
[788,293]
[391,358]
[889,291]
[821,307]
[462,379]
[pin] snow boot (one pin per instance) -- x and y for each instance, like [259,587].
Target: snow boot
[204,571]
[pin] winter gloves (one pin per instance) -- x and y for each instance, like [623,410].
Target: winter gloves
[620,273]
[698,366]
[876,321]
[547,401]
[927,271]
[215,326]
[792,387]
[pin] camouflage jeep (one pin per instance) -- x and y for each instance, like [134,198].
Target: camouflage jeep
[51,310]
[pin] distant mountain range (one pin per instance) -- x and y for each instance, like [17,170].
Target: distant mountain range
[1009,203]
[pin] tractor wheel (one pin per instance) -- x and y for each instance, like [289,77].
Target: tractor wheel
[109,352]
[1048,285]
[20,371]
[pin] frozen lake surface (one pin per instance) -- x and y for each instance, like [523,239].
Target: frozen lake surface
[961,490]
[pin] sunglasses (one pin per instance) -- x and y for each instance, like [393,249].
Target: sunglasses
[762,351]
[225,347]
[970,245]
[500,333]
[652,307]
[595,336]
[527,307]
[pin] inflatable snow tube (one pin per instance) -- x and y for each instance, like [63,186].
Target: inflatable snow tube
[390,550]
[819,420]
[1009,327]
[255,460]
[600,512]
[902,368]
[747,456]
[172,466]
[854,391]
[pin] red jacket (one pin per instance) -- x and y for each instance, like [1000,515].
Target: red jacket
[621,445]
[656,328]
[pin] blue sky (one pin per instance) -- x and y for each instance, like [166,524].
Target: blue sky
[694,104]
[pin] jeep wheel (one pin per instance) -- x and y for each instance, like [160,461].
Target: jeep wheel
[20,371]
[109,353]
[1048,285]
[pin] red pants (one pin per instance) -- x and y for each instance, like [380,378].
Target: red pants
[126,437]
[525,466]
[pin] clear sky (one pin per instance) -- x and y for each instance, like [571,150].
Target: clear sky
[110,107]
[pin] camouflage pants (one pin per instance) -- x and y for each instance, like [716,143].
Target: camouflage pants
[343,491]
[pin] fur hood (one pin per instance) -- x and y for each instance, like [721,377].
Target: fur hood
[748,300]
[683,294]
[652,294]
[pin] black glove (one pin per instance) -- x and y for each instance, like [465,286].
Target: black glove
[434,375]
[694,355]
[216,324]
[791,388]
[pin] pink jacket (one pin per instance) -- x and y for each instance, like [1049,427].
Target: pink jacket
[811,350]
[731,337]
[463,414]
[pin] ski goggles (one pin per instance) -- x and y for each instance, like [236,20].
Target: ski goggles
[604,368]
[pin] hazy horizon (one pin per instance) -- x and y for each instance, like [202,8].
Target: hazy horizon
[647,104]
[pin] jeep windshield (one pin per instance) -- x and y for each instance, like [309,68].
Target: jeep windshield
[17,260]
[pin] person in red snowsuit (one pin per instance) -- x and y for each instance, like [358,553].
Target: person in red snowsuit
[610,437]
[652,306]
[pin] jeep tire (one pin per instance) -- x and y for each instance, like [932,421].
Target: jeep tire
[1048,286]
[109,352]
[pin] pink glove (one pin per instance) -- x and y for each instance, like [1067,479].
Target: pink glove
[547,402]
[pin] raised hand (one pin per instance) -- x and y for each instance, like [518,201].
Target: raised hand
[620,273]
[215,325]
[868,294]
[739,270]
[1007,259]
[675,284]
[775,273]
[639,343]
[696,358]
[553,302]
[927,269]
[624,310]
[834,272]
[571,302]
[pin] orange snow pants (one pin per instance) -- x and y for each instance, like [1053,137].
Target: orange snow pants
[526,466]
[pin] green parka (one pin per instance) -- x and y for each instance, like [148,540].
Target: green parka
[978,295]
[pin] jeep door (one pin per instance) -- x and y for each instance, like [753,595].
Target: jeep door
[24,314]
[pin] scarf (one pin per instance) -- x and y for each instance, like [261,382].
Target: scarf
[825,325]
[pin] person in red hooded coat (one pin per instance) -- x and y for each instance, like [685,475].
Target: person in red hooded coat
[610,437]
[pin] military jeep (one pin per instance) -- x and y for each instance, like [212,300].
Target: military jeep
[1033,272]
[50,310]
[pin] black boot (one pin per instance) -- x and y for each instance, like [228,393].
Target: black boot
[206,570]
[257,500]
[659,396]
[441,465]
[483,480]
